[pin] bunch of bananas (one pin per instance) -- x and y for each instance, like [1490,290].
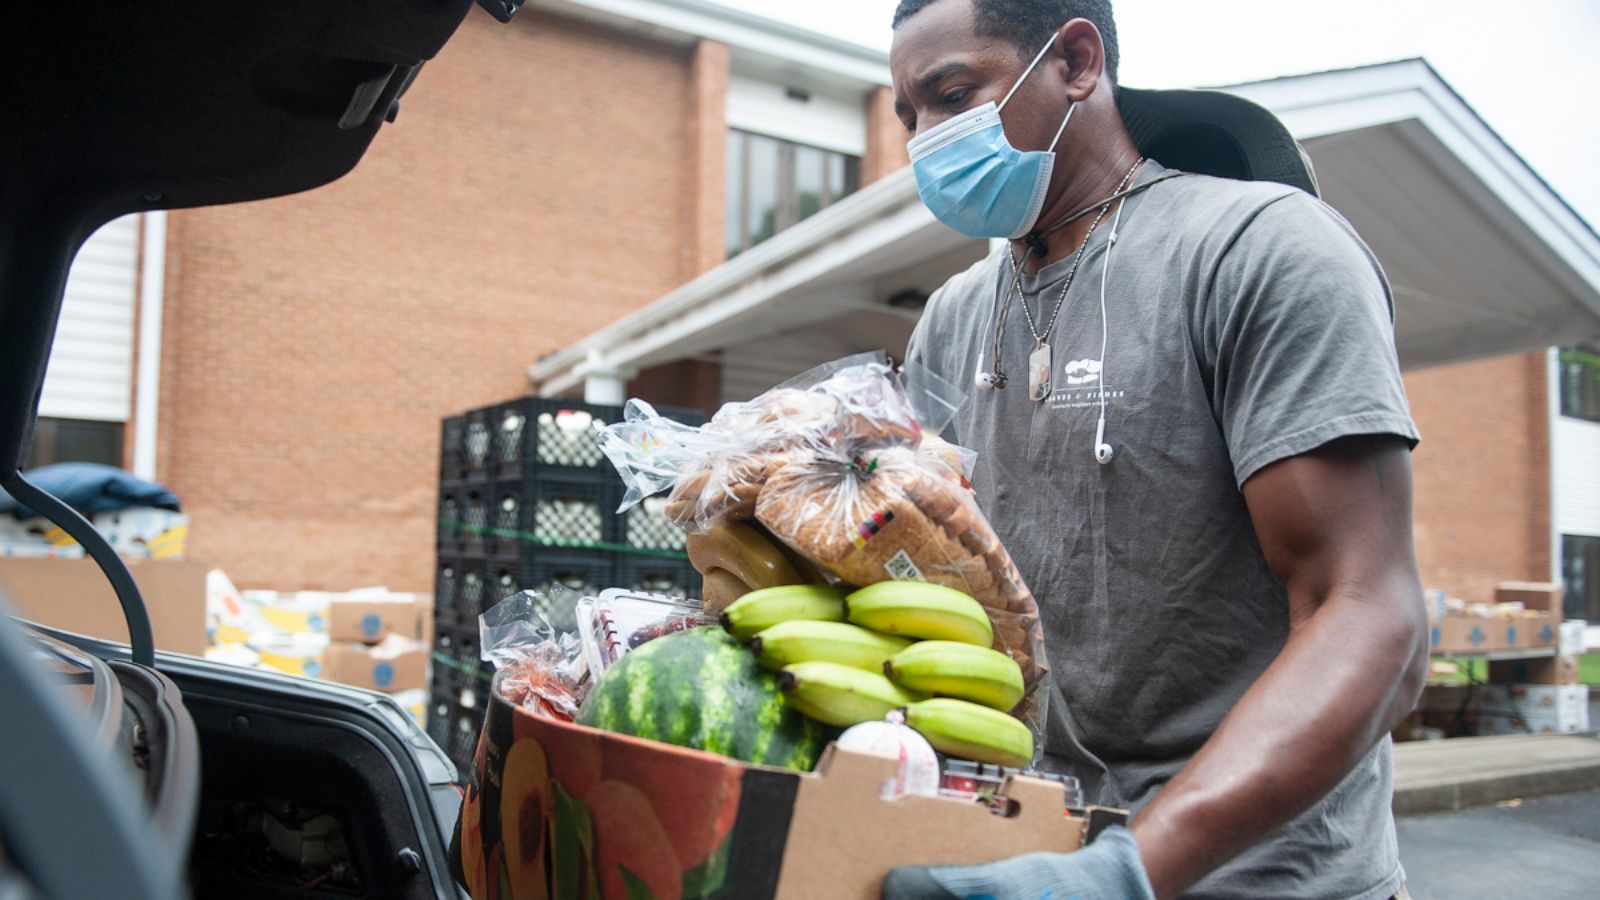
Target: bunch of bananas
[846,658]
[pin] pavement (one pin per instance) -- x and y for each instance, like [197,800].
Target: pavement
[1462,773]
[1495,817]
[1546,847]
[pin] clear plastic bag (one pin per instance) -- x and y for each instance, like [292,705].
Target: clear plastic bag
[538,667]
[844,465]
[905,515]
[618,621]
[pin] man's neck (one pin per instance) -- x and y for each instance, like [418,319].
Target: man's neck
[1098,180]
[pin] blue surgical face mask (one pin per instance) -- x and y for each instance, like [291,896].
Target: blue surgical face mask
[973,180]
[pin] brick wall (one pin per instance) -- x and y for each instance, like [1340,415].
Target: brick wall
[886,137]
[1482,474]
[532,190]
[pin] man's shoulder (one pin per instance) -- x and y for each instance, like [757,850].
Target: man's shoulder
[966,287]
[1209,203]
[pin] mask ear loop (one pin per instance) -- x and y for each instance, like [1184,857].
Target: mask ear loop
[1026,72]
[1103,450]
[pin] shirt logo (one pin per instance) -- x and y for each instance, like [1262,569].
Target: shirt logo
[1082,371]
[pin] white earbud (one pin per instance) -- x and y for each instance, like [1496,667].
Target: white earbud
[985,381]
[1102,450]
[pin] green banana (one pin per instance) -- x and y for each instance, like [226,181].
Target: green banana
[759,610]
[841,695]
[804,641]
[919,610]
[973,732]
[963,671]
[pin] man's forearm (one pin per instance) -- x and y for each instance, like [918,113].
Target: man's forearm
[1346,675]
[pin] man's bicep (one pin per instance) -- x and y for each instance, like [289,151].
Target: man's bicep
[1337,520]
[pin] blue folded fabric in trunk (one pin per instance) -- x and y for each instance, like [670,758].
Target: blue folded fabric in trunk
[91,488]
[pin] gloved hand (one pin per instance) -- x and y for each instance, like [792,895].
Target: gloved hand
[1108,869]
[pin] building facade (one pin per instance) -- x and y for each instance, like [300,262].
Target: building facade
[284,365]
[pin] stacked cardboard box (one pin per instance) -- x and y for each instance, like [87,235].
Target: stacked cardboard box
[1533,709]
[139,532]
[369,638]
[379,640]
[1536,626]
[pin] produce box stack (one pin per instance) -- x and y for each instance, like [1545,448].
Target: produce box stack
[528,502]
[379,640]
[369,638]
[860,688]
[1523,616]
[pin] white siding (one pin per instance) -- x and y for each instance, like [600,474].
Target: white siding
[91,362]
[827,120]
[1575,476]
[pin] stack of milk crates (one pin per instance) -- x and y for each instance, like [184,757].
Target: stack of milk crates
[526,502]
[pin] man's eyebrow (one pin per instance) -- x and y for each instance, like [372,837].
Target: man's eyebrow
[932,79]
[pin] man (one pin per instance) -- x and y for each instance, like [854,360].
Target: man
[1211,494]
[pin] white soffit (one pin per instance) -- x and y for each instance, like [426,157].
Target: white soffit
[1484,257]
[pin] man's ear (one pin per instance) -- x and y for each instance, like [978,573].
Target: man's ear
[1079,56]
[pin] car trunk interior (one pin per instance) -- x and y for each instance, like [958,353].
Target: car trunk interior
[277,787]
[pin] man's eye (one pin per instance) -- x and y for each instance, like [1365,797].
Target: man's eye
[957,96]
[911,125]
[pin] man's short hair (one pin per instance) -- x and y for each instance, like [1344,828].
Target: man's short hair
[1029,23]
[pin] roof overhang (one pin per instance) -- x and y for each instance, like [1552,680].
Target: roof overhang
[1484,257]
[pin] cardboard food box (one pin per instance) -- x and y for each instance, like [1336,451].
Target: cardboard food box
[1524,699]
[557,810]
[291,612]
[369,618]
[1573,640]
[1469,634]
[1538,596]
[1465,635]
[396,664]
[301,653]
[74,594]
[1546,722]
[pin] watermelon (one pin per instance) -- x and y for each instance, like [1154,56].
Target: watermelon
[700,688]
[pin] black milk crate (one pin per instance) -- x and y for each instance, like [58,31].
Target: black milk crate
[464,520]
[458,670]
[441,715]
[463,590]
[466,445]
[455,730]
[449,574]
[544,435]
[506,524]
[504,578]
[536,434]
[581,573]
[657,575]
[558,511]
[646,527]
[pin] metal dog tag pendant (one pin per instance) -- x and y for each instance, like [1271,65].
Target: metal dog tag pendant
[1039,372]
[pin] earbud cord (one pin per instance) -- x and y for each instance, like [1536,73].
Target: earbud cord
[1100,443]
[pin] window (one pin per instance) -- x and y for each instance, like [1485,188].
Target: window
[75,440]
[1580,381]
[1580,573]
[772,184]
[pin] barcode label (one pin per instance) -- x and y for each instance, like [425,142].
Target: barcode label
[901,568]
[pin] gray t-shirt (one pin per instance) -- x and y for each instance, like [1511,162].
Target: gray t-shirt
[1246,323]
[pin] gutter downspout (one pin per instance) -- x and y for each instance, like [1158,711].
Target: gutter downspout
[152,295]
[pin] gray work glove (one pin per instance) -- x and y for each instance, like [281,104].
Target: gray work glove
[1108,869]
